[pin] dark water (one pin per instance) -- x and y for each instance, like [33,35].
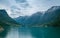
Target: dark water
[34,32]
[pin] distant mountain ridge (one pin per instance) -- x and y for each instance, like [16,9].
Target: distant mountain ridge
[51,16]
[21,19]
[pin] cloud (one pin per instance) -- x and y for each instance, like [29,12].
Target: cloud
[17,8]
[4,2]
[20,1]
[43,4]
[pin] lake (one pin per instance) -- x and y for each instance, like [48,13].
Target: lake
[34,32]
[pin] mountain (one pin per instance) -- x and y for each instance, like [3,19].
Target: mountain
[6,23]
[21,19]
[4,18]
[51,17]
[29,20]
[33,19]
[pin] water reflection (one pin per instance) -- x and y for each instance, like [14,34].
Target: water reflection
[13,33]
[36,32]
[49,32]
[25,33]
[4,30]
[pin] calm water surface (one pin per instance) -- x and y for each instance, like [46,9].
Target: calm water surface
[34,32]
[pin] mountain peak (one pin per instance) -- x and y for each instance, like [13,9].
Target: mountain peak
[3,12]
[53,8]
[56,6]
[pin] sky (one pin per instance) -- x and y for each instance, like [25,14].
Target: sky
[16,8]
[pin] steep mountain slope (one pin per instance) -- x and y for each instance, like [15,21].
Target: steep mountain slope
[52,15]
[33,19]
[4,18]
[50,18]
[29,20]
[5,23]
[21,19]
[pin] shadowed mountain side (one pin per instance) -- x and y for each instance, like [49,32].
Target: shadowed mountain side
[6,19]
[50,18]
[29,20]
[21,19]
[5,23]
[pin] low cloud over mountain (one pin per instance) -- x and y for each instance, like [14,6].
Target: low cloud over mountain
[51,17]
